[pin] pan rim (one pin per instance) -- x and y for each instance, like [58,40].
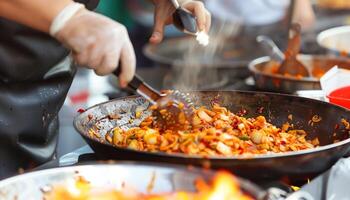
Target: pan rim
[237,157]
[98,164]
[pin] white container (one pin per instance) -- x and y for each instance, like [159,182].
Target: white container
[334,79]
[336,40]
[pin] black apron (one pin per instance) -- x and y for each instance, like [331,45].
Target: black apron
[35,75]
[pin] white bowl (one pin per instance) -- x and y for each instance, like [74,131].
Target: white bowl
[336,40]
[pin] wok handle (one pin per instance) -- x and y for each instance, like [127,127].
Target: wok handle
[278,194]
[136,81]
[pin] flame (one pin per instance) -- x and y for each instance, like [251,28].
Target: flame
[223,187]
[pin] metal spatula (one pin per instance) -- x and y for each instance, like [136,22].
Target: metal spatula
[291,65]
[173,109]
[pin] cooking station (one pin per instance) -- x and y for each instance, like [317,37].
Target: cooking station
[321,187]
[85,154]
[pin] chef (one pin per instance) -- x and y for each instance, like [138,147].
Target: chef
[36,71]
[262,12]
[262,17]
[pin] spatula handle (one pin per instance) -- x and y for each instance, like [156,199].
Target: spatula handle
[134,83]
[271,48]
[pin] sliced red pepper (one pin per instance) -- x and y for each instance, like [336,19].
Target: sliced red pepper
[81,110]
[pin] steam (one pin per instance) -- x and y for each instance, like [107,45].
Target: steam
[197,69]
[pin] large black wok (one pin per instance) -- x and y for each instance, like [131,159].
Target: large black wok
[166,178]
[275,107]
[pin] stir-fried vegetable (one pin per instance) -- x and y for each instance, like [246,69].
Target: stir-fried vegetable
[214,132]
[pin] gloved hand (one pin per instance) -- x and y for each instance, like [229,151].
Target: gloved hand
[165,9]
[99,43]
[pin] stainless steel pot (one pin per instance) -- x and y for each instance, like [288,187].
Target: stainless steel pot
[262,71]
[167,178]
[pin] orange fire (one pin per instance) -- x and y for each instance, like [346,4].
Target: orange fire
[223,187]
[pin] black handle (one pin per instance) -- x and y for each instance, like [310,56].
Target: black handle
[134,83]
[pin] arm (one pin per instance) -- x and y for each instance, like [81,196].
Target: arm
[304,13]
[96,41]
[37,14]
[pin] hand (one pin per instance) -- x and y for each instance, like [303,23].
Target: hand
[99,43]
[164,10]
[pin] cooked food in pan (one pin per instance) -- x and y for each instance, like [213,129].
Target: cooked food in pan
[224,186]
[213,132]
[316,72]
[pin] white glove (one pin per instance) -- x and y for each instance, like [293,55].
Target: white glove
[98,43]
